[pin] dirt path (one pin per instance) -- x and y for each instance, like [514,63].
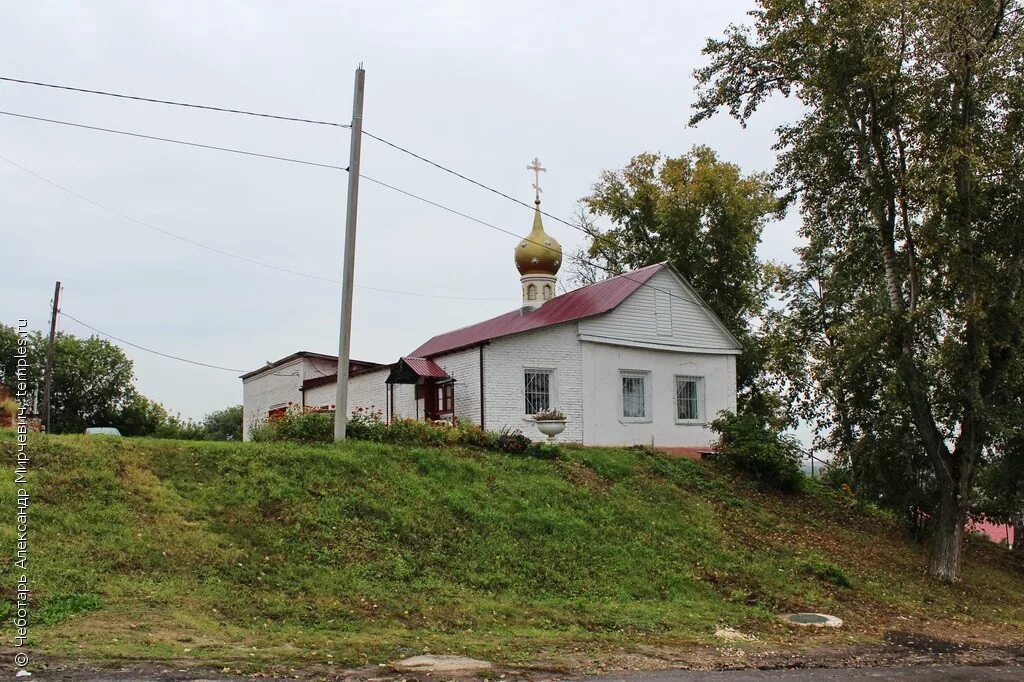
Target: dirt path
[923,673]
[903,657]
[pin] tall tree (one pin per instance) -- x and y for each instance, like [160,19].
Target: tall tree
[92,378]
[1001,479]
[907,163]
[701,214]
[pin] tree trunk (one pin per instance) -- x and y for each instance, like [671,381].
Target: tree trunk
[1018,534]
[948,537]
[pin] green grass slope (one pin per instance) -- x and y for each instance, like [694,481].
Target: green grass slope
[250,554]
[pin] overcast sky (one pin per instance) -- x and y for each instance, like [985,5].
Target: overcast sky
[483,87]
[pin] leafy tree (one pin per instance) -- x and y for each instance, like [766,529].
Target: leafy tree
[174,427]
[1001,478]
[8,354]
[908,172]
[92,386]
[703,216]
[92,382]
[140,416]
[839,376]
[749,444]
[92,378]
[224,424]
[1001,483]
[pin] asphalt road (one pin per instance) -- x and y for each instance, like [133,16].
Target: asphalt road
[925,673]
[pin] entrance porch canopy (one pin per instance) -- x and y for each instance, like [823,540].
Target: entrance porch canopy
[433,386]
[411,370]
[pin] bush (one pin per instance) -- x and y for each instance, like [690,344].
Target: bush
[317,426]
[8,412]
[175,428]
[364,425]
[747,444]
[511,441]
[224,424]
[298,425]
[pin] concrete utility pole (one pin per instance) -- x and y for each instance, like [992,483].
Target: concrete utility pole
[48,373]
[348,270]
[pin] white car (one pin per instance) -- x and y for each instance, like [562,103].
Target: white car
[102,431]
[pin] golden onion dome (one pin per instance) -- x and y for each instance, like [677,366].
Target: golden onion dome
[538,253]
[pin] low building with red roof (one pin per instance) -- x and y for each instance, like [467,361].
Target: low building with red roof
[635,358]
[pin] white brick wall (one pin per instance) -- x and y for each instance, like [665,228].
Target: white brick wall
[364,390]
[464,367]
[368,391]
[506,359]
[406,405]
[321,396]
[264,391]
[319,367]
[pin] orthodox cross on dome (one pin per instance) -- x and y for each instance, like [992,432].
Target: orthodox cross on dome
[537,170]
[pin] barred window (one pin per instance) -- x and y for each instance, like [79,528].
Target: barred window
[537,390]
[635,395]
[689,396]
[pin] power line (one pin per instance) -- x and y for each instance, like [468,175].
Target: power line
[498,192]
[162,354]
[470,180]
[174,141]
[247,153]
[446,169]
[299,161]
[174,103]
[271,266]
[578,259]
[394,145]
[150,350]
[230,254]
[451,210]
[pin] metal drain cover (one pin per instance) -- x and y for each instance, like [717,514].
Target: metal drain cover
[821,620]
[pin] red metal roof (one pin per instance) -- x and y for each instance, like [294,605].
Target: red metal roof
[583,302]
[354,365]
[425,368]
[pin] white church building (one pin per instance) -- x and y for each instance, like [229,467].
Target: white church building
[634,359]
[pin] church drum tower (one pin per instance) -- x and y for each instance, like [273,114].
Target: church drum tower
[538,256]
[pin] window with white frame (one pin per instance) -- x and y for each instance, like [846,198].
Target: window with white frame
[537,390]
[689,398]
[636,402]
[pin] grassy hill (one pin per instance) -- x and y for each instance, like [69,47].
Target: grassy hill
[251,554]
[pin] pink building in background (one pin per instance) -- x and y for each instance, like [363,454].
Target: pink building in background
[997,532]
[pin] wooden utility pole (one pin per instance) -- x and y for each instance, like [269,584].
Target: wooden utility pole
[48,374]
[348,269]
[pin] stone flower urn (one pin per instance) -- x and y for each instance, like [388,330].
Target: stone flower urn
[550,423]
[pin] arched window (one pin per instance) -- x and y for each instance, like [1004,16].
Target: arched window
[547,291]
[531,292]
